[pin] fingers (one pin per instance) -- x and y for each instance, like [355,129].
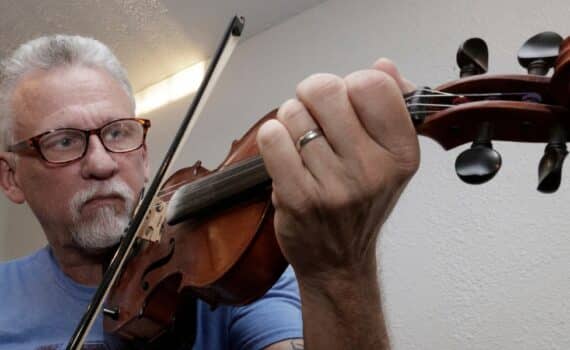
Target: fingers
[387,66]
[357,114]
[281,159]
[326,100]
[332,195]
[378,102]
[317,154]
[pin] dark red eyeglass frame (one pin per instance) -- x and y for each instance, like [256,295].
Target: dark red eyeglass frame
[33,143]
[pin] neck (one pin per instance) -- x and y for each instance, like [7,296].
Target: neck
[83,268]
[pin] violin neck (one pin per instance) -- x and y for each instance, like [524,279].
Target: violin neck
[228,185]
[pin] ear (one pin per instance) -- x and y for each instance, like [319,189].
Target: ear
[8,183]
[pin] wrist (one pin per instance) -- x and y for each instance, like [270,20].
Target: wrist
[347,304]
[347,283]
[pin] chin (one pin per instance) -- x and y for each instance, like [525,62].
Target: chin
[100,233]
[95,245]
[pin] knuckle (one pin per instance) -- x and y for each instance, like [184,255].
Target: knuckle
[320,86]
[385,63]
[302,201]
[268,134]
[370,180]
[367,81]
[370,185]
[290,111]
[409,160]
[345,199]
[378,174]
[304,204]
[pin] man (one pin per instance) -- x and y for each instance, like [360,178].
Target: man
[339,155]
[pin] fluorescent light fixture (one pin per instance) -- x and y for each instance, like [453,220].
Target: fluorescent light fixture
[173,88]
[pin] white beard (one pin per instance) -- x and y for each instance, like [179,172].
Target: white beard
[106,227]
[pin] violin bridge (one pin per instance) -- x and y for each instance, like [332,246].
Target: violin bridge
[151,228]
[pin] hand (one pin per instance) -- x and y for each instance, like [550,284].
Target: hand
[332,196]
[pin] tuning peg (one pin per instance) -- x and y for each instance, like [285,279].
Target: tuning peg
[472,57]
[538,53]
[550,166]
[481,162]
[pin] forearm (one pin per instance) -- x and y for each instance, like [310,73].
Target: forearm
[332,193]
[344,313]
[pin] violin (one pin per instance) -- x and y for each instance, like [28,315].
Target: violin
[209,233]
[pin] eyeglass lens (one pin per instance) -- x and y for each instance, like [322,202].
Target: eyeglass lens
[69,144]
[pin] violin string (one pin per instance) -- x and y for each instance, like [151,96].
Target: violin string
[232,171]
[172,187]
[421,112]
[432,107]
[249,166]
[434,93]
[443,105]
[239,168]
[440,94]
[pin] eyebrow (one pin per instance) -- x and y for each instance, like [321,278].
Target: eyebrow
[72,125]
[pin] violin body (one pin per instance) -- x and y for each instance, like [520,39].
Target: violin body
[228,255]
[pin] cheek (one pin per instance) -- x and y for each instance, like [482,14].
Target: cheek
[47,192]
[133,171]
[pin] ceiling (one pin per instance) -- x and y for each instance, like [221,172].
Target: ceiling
[152,38]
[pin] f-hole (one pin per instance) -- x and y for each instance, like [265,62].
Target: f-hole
[160,262]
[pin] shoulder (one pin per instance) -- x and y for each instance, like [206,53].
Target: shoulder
[287,280]
[12,268]
[20,281]
[274,317]
[282,296]
[23,274]
[271,319]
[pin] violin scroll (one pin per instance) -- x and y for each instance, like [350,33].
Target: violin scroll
[480,108]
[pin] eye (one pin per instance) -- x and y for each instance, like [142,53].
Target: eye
[119,131]
[61,141]
[65,142]
[116,133]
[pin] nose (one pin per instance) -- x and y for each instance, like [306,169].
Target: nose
[98,163]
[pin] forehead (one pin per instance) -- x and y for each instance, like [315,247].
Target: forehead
[75,96]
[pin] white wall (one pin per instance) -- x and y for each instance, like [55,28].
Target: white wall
[20,233]
[463,267]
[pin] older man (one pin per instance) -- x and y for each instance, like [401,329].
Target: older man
[74,151]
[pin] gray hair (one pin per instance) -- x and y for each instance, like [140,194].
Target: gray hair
[50,52]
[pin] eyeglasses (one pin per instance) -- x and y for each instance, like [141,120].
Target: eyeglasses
[65,145]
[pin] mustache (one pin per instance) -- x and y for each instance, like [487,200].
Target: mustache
[115,188]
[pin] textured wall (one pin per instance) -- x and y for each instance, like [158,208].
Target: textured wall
[462,267]
[153,38]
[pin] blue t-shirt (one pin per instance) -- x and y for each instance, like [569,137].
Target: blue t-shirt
[40,307]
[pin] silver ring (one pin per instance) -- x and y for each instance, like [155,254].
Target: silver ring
[308,137]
